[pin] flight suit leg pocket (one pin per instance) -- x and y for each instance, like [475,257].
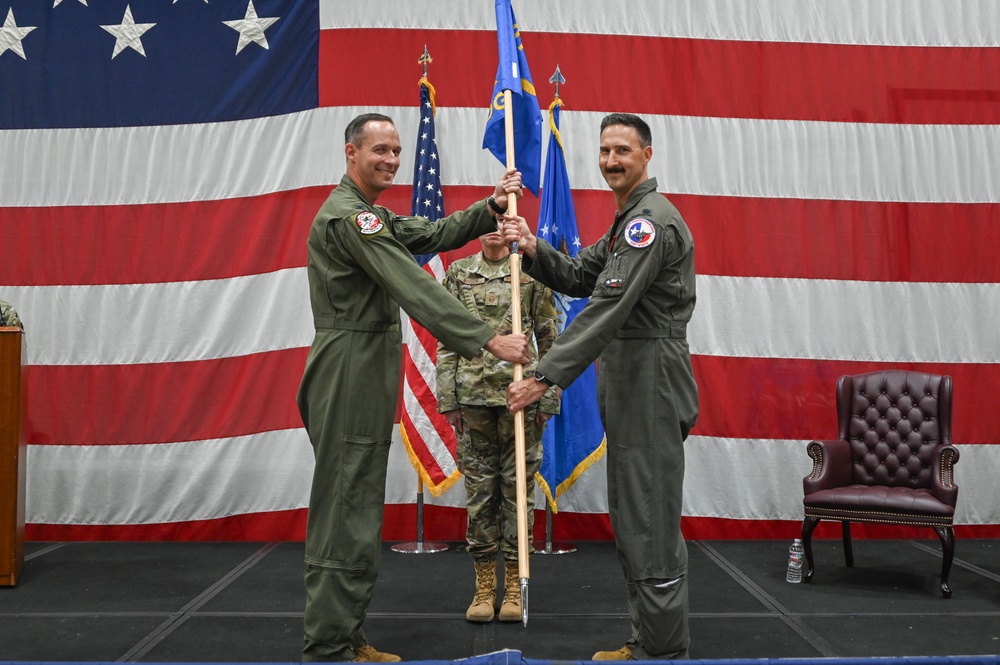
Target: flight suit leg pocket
[364,472]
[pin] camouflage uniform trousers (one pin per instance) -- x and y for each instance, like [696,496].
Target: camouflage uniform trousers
[486,457]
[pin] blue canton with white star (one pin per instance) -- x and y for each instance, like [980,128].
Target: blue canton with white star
[428,199]
[120,63]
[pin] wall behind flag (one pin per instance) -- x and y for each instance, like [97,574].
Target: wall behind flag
[837,174]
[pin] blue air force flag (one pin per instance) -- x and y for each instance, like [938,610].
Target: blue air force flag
[513,74]
[574,439]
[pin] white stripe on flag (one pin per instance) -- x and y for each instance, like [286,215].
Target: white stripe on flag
[736,316]
[721,156]
[759,479]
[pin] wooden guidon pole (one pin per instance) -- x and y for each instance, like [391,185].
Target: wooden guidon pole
[523,537]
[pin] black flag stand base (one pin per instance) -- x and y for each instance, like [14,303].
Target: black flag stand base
[548,547]
[419,547]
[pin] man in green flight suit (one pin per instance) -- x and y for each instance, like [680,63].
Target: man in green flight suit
[641,282]
[472,395]
[361,271]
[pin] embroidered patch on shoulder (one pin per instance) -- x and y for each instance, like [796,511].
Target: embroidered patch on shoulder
[640,233]
[369,223]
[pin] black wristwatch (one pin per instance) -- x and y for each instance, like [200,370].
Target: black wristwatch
[543,379]
[492,202]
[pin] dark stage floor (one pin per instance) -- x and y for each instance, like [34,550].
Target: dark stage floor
[211,602]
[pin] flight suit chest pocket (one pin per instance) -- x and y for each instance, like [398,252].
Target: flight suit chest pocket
[613,279]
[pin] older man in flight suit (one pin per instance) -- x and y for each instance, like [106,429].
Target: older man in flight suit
[361,271]
[641,282]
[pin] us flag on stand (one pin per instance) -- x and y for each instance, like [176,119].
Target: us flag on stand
[429,439]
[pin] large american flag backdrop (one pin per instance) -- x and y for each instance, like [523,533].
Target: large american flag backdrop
[161,162]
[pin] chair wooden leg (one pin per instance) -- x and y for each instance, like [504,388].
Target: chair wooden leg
[947,536]
[845,528]
[808,526]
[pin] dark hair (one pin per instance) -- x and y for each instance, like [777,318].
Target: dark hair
[356,128]
[633,121]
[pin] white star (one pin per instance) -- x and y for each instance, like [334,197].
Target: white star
[251,28]
[544,230]
[56,3]
[128,34]
[11,35]
[576,242]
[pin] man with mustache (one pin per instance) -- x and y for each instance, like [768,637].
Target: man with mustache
[641,282]
[361,271]
[472,395]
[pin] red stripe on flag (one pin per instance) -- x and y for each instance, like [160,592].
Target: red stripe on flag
[164,402]
[445,435]
[747,237]
[695,77]
[789,398]
[158,242]
[754,398]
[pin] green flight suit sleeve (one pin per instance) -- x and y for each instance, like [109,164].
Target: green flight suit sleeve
[421,236]
[391,265]
[627,275]
[575,277]
[546,325]
[447,361]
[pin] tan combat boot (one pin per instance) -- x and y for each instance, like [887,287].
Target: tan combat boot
[369,654]
[481,609]
[625,653]
[511,608]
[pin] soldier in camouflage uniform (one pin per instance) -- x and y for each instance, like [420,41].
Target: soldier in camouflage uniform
[472,395]
[9,317]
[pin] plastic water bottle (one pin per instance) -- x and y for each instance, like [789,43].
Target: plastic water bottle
[795,555]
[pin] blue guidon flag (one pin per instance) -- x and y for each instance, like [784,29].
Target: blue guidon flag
[574,439]
[513,74]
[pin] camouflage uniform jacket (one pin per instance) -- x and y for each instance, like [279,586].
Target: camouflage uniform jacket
[8,316]
[484,288]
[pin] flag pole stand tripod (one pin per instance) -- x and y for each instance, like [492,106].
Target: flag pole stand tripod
[419,546]
[549,547]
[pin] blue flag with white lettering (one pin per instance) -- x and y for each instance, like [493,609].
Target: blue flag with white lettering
[513,74]
[574,439]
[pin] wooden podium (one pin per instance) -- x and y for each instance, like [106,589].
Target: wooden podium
[13,449]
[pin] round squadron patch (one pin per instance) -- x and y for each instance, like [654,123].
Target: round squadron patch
[369,223]
[640,233]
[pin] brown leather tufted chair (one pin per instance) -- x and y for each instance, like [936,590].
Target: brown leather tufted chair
[892,463]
